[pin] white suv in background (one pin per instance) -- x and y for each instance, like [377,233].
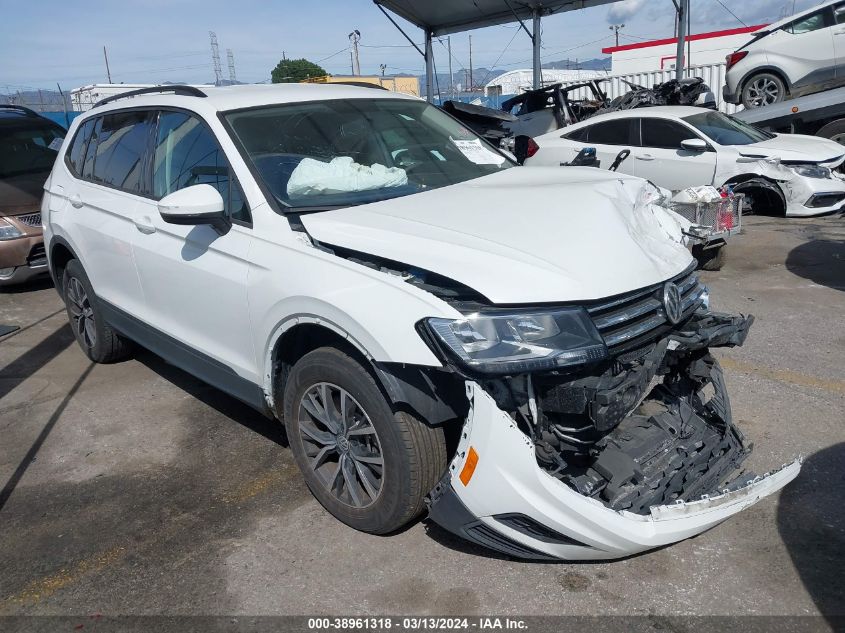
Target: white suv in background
[802,54]
[429,327]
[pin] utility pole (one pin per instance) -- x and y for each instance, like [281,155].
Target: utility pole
[230,57]
[354,38]
[215,58]
[470,64]
[106,57]
[615,28]
[683,10]
[451,80]
[383,67]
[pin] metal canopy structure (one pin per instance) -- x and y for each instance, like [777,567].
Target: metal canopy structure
[443,17]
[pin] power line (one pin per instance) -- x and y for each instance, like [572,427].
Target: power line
[731,12]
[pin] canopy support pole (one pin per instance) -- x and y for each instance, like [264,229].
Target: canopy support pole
[683,11]
[429,67]
[535,40]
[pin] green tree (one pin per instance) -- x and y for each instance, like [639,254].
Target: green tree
[295,70]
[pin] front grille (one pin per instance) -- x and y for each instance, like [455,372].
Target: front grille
[37,256]
[636,318]
[32,219]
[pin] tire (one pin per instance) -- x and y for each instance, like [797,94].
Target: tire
[97,338]
[763,89]
[413,454]
[835,131]
[710,258]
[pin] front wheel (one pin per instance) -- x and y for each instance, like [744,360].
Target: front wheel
[763,89]
[367,465]
[710,258]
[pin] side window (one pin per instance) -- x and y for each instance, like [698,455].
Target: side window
[839,13]
[121,151]
[579,135]
[75,155]
[90,151]
[186,154]
[664,134]
[808,23]
[615,132]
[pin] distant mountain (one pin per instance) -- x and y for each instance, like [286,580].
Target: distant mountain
[589,64]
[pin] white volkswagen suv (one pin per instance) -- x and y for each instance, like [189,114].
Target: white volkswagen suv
[431,330]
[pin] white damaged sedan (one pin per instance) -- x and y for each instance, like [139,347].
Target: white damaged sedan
[677,147]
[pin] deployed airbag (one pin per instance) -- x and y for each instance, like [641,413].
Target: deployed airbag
[342,174]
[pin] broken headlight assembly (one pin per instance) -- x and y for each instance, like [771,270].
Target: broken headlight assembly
[811,171]
[516,342]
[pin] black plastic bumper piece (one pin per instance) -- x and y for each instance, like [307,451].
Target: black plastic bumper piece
[449,512]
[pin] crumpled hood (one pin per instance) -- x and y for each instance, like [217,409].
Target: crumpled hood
[797,147]
[521,235]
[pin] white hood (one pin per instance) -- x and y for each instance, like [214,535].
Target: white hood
[521,235]
[797,147]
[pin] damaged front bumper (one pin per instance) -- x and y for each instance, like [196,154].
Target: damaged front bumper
[662,470]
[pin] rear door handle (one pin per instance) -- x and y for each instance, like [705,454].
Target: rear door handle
[645,157]
[75,201]
[145,225]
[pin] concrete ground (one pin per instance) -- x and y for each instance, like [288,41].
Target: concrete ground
[135,489]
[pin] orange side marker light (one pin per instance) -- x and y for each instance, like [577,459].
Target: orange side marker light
[469,466]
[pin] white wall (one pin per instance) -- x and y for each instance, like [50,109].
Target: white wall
[704,52]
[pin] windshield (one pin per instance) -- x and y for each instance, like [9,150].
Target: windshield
[726,130]
[27,149]
[342,153]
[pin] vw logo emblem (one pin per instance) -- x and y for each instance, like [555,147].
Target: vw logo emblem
[343,444]
[672,302]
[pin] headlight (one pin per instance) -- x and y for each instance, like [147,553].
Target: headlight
[811,171]
[513,342]
[8,231]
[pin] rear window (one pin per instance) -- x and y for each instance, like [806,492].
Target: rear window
[121,146]
[810,23]
[75,155]
[615,132]
[28,146]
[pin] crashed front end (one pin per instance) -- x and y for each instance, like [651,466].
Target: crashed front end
[622,444]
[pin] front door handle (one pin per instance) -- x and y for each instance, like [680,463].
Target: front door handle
[645,157]
[75,201]
[145,225]
[841,32]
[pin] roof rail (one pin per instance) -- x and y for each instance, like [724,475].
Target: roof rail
[19,108]
[359,84]
[187,91]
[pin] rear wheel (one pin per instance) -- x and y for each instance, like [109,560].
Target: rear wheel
[835,131]
[367,465]
[763,89]
[96,337]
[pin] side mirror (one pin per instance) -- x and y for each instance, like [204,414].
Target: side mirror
[694,145]
[198,204]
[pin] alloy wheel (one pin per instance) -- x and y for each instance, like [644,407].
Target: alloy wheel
[763,91]
[341,444]
[81,312]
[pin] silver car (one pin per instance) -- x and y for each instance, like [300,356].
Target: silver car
[802,54]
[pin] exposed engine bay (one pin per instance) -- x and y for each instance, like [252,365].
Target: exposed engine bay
[647,428]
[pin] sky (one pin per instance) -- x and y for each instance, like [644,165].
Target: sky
[44,42]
